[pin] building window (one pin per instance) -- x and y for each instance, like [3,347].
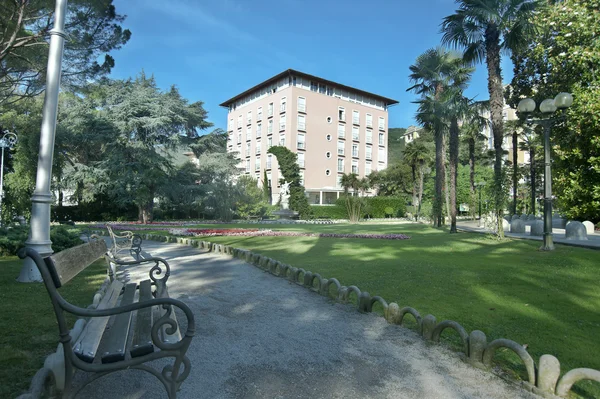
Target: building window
[355,117]
[381,123]
[340,165]
[282,106]
[329,91]
[314,86]
[301,104]
[367,168]
[270,110]
[269,179]
[282,122]
[231,124]
[341,146]
[247,149]
[269,142]
[300,142]
[247,166]
[329,119]
[341,114]
[300,159]
[239,121]
[239,137]
[369,136]
[258,129]
[381,139]
[248,133]
[257,164]
[282,140]
[249,118]
[328,137]
[301,122]
[327,172]
[259,114]
[368,152]
[355,133]
[381,155]
[341,131]
[301,177]
[339,181]
[269,161]
[328,155]
[355,167]
[270,127]
[321,88]
[355,150]
[369,120]
[258,147]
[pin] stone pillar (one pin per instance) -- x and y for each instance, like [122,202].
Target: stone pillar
[321,197]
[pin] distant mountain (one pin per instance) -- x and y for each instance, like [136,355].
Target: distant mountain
[395,144]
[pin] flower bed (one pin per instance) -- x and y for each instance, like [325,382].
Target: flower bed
[271,233]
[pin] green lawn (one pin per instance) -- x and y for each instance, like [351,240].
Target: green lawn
[549,301]
[29,328]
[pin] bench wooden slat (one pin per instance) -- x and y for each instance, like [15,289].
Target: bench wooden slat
[163,292]
[66,264]
[86,345]
[142,339]
[116,336]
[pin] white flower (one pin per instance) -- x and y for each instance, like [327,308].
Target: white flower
[570,23]
[562,54]
[568,35]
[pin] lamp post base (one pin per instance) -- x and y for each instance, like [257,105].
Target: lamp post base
[548,243]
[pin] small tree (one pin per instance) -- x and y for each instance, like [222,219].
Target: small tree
[268,196]
[355,204]
[251,200]
[288,164]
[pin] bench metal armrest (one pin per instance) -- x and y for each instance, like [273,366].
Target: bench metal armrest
[161,322]
[156,270]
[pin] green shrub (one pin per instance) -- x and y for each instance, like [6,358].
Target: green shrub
[376,207]
[330,211]
[12,239]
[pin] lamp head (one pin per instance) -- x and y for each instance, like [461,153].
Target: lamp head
[526,106]
[563,100]
[547,106]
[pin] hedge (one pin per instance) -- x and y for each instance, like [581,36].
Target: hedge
[376,206]
[329,211]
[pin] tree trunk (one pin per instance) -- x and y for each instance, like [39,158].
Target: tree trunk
[147,212]
[532,171]
[447,193]
[414,188]
[421,178]
[515,159]
[492,47]
[140,214]
[472,175]
[453,172]
[439,178]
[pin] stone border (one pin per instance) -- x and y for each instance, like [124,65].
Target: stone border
[542,379]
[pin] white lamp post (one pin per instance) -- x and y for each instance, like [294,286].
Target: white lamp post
[39,235]
[548,107]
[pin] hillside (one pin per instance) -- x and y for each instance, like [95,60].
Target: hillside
[395,144]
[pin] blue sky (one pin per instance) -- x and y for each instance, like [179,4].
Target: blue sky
[214,49]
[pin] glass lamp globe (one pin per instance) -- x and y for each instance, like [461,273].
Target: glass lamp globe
[547,106]
[563,100]
[526,105]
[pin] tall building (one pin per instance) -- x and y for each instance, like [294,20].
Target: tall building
[333,128]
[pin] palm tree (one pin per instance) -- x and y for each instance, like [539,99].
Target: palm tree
[434,71]
[484,28]
[354,204]
[416,154]
[514,129]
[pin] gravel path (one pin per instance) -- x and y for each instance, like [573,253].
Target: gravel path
[260,336]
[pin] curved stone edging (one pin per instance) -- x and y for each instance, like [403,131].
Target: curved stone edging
[543,379]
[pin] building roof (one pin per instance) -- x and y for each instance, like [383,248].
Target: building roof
[290,72]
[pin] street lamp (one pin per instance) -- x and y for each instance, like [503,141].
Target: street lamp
[548,106]
[8,140]
[479,187]
[39,233]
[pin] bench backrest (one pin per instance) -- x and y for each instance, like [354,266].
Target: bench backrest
[66,264]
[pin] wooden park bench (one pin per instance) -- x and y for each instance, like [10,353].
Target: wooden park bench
[126,241]
[131,325]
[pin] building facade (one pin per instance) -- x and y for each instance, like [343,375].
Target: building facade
[333,128]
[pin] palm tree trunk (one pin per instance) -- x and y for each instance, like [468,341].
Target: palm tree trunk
[532,172]
[492,45]
[414,187]
[453,172]
[447,191]
[439,178]
[421,178]
[515,159]
[472,174]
